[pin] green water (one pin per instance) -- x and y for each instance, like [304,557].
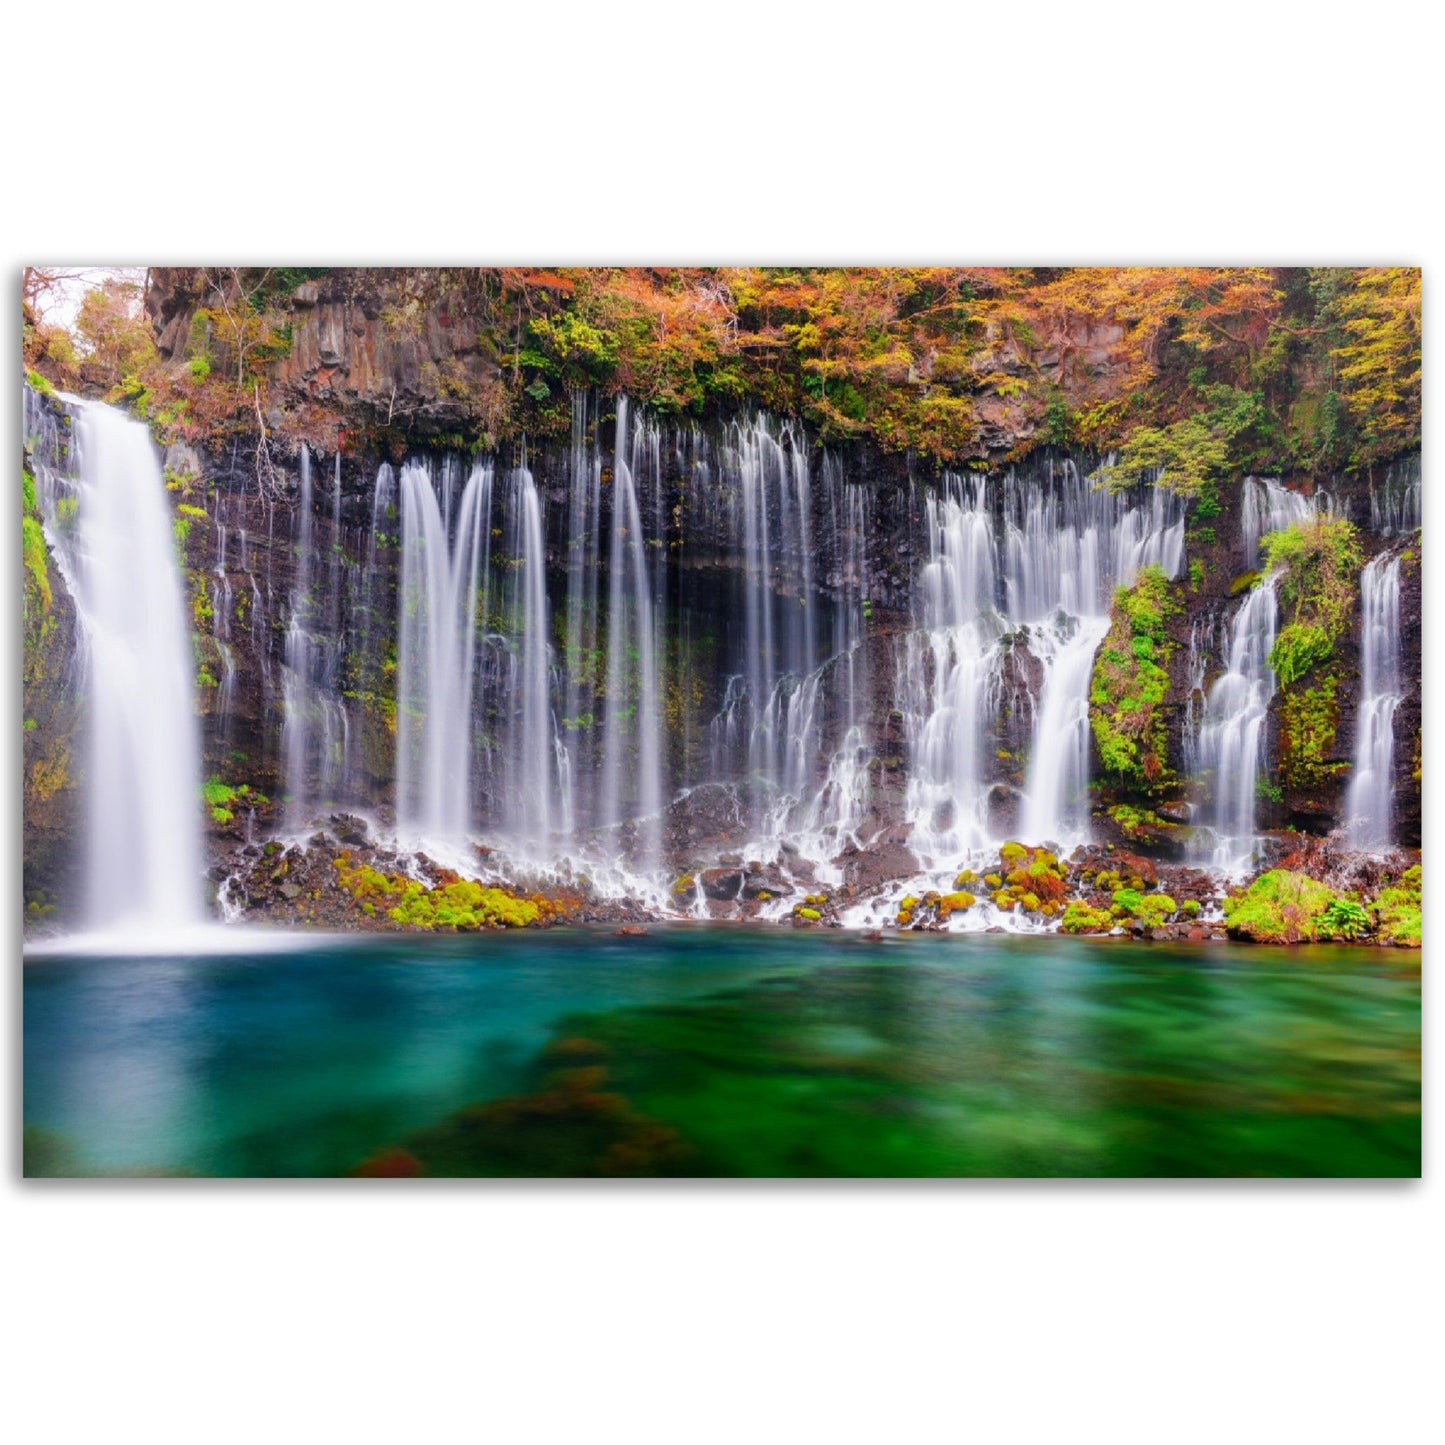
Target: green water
[718,1051]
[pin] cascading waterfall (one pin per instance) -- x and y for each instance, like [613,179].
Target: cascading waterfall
[674,640]
[316,731]
[223,607]
[950,672]
[833,813]
[582,562]
[1267,506]
[1232,736]
[1395,502]
[1369,799]
[116,552]
[539,756]
[1046,587]
[632,749]
[443,557]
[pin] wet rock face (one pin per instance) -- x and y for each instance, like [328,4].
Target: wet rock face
[242,561]
[1408,716]
[52,754]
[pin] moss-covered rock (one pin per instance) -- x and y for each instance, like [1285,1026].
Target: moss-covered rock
[1318,563]
[1130,683]
[1397,910]
[1079,917]
[1278,907]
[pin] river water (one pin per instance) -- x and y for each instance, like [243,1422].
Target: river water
[723,1051]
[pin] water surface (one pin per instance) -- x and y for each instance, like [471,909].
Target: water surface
[722,1051]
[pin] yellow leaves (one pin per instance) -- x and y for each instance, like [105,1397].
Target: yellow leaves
[1380,363]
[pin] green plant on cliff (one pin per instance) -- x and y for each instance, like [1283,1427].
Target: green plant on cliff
[35,554]
[1318,565]
[1130,682]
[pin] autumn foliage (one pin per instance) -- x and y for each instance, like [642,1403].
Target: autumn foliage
[1192,372]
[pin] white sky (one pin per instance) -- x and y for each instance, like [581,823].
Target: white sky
[62,302]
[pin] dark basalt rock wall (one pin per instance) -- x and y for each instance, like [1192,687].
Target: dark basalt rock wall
[346,364]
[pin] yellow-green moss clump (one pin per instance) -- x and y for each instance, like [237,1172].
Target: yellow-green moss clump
[1080,918]
[1033,874]
[454,903]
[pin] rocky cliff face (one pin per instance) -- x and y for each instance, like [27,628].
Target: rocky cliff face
[245,552]
[356,360]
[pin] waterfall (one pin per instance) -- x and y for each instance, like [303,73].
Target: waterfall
[950,672]
[1395,504]
[1266,506]
[1232,734]
[1056,806]
[222,606]
[828,816]
[116,552]
[443,556]
[316,729]
[1045,590]
[1368,802]
[538,755]
[582,561]
[632,739]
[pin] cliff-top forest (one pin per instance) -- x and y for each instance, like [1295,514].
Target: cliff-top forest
[1204,372]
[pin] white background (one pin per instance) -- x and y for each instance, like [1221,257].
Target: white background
[1151,1312]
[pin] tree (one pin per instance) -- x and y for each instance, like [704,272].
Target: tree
[1380,362]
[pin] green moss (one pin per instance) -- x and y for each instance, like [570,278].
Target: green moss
[810,914]
[1190,908]
[1319,564]
[460,903]
[217,794]
[1298,648]
[1130,682]
[1279,907]
[1309,719]
[39,383]
[37,561]
[1081,918]
[1129,899]
[1135,821]
[222,815]
[1397,909]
